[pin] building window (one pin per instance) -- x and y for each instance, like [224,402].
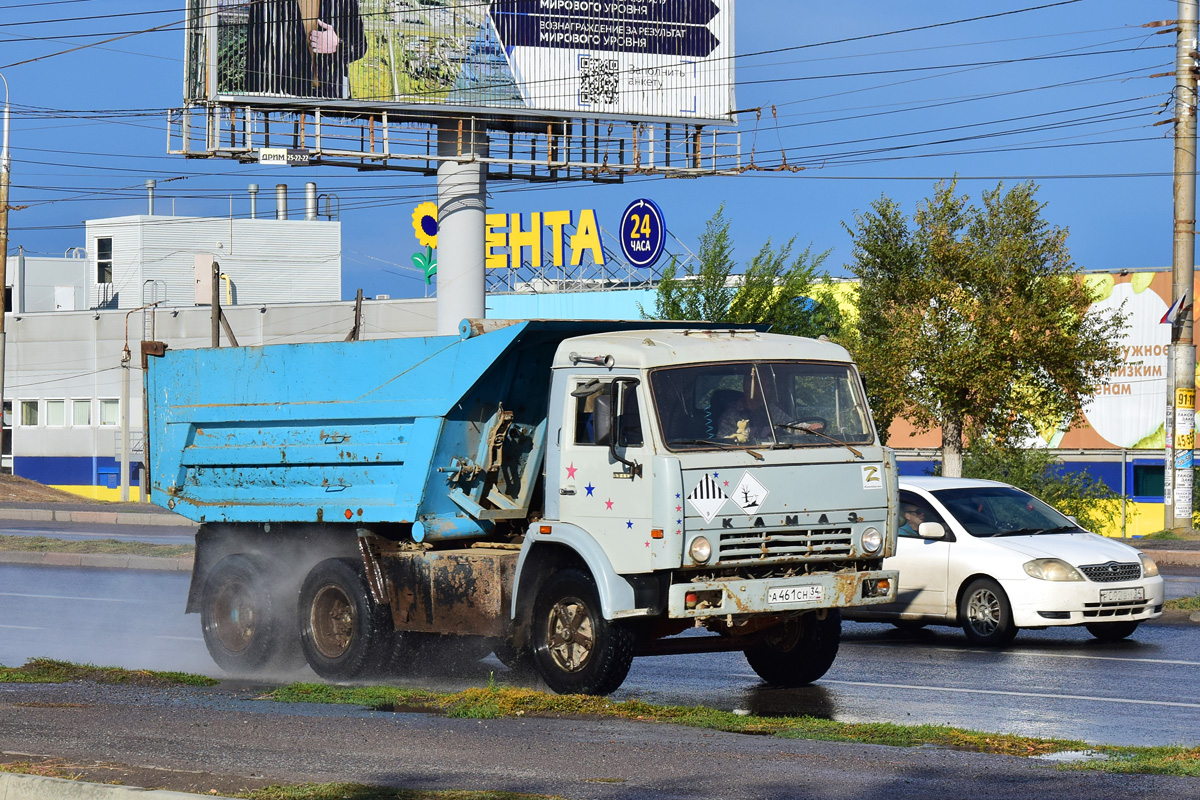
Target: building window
[1148,480]
[104,260]
[81,413]
[29,412]
[110,412]
[6,442]
[56,413]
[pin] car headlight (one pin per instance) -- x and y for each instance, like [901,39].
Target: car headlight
[700,550]
[1052,569]
[1149,568]
[872,541]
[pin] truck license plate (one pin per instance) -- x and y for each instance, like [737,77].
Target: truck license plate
[1119,595]
[795,594]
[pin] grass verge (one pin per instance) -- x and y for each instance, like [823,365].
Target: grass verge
[358,791]
[48,670]
[46,544]
[1191,603]
[494,702]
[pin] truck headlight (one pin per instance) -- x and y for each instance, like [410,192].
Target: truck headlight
[700,550]
[1149,568]
[1051,569]
[872,541]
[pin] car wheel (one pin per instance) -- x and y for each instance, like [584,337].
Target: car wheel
[1112,631]
[986,614]
[342,632]
[799,651]
[575,649]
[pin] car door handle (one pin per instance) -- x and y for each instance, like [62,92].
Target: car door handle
[566,491]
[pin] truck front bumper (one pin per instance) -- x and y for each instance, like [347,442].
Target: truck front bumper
[778,595]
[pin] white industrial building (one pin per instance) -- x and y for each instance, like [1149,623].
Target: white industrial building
[135,279]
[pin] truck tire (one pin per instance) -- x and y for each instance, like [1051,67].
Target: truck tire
[799,651]
[575,649]
[342,632]
[241,626]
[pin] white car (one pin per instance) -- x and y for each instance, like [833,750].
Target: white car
[994,559]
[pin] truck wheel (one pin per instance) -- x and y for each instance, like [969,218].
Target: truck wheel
[241,628]
[986,615]
[343,634]
[799,651]
[575,649]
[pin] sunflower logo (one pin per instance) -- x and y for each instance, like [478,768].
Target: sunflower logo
[425,225]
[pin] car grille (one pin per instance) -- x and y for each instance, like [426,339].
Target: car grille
[1126,608]
[1112,572]
[795,545]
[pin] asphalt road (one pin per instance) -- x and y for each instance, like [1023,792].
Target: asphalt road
[1058,683]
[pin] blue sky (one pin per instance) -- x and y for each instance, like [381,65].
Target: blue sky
[1061,95]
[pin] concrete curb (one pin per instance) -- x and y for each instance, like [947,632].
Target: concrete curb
[100,560]
[96,518]
[1174,558]
[14,786]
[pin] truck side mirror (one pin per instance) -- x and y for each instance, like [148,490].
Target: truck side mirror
[613,422]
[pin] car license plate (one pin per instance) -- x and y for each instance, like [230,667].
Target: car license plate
[1120,595]
[796,594]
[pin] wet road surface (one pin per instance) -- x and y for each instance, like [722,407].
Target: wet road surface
[1057,682]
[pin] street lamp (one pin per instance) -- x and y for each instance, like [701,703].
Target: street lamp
[5,169]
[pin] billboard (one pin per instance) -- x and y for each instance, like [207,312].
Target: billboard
[624,59]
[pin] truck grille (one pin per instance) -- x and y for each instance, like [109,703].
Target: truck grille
[758,546]
[1112,572]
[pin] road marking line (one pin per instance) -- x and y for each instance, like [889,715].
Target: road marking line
[953,690]
[68,597]
[21,628]
[1042,655]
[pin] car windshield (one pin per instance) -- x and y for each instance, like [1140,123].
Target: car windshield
[1002,511]
[760,404]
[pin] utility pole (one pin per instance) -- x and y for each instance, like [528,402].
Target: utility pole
[1180,427]
[5,170]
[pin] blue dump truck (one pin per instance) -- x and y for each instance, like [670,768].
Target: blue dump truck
[565,494]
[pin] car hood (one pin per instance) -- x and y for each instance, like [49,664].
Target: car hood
[1075,548]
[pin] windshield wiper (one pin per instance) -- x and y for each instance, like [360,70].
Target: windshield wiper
[1021,532]
[800,426]
[716,445]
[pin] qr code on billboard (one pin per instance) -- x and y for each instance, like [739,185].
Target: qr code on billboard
[598,81]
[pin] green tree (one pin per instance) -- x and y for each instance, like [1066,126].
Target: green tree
[775,288]
[975,319]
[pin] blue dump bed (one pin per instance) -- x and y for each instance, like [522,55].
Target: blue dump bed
[383,431]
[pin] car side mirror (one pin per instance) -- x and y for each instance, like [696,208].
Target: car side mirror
[931,530]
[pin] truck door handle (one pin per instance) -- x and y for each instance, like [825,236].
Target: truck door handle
[566,491]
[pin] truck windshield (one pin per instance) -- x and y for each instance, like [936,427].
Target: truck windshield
[759,404]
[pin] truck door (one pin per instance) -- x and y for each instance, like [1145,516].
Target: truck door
[606,469]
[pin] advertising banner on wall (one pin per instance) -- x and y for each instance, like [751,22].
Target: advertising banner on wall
[628,59]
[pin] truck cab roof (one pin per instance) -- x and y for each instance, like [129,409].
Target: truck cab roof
[640,349]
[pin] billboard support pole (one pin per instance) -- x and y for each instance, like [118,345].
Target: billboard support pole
[1181,391]
[462,209]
